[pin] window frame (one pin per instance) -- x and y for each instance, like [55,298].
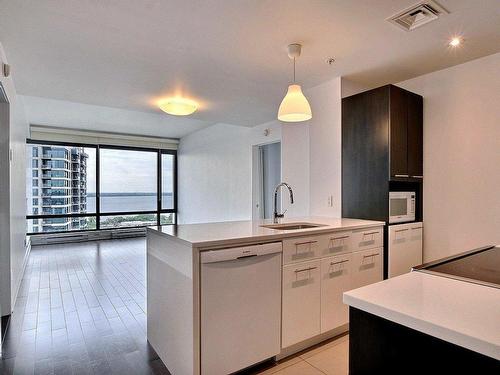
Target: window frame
[98,214]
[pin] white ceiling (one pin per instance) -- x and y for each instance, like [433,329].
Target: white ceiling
[230,55]
[64,114]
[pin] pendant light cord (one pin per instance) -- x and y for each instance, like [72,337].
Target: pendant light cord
[294,70]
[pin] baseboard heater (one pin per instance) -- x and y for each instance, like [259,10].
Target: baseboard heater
[60,238]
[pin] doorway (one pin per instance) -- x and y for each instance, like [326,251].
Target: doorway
[266,175]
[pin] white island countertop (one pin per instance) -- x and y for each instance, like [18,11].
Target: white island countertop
[459,312]
[238,232]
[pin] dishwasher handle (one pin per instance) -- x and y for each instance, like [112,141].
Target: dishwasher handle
[236,253]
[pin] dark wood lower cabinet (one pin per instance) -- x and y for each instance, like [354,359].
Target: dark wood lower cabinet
[379,346]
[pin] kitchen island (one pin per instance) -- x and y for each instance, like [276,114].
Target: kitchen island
[425,321]
[225,296]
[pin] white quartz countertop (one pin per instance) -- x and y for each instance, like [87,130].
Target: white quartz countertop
[459,312]
[236,232]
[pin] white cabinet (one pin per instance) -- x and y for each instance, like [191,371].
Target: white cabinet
[405,248]
[368,238]
[301,302]
[335,280]
[366,267]
[301,249]
[317,270]
[338,243]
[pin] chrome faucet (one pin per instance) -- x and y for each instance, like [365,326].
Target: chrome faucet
[277,215]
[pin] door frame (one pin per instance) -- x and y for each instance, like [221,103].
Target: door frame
[257,183]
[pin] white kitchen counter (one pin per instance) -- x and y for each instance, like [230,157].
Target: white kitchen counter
[459,312]
[238,232]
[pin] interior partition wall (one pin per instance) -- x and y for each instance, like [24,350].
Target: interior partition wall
[75,187]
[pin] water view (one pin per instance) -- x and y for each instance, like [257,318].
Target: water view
[119,202]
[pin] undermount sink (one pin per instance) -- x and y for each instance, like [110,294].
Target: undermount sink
[292,226]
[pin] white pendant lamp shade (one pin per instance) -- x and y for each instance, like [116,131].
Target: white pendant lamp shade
[294,107]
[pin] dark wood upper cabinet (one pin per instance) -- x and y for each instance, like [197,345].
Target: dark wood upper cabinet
[415,136]
[398,110]
[365,146]
[405,144]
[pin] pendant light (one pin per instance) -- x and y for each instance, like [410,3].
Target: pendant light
[294,106]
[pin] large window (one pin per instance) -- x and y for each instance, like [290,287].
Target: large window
[74,187]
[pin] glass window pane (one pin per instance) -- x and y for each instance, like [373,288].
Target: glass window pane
[124,221]
[166,219]
[61,179]
[128,180]
[64,224]
[167,181]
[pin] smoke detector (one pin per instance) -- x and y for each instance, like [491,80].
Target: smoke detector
[418,15]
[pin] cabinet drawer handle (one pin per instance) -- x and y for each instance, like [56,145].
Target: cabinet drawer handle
[416,228]
[401,175]
[371,255]
[401,230]
[418,176]
[305,269]
[339,262]
[370,233]
[305,243]
[339,238]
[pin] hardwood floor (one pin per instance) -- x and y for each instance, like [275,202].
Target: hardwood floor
[81,310]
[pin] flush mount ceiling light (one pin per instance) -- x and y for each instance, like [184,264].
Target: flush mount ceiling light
[294,106]
[178,106]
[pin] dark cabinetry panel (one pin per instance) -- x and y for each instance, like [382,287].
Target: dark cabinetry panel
[365,147]
[381,143]
[415,135]
[399,132]
[380,346]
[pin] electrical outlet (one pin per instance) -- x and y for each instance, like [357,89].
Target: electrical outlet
[330,201]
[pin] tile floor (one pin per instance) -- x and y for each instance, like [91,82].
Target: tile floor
[81,310]
[329,358]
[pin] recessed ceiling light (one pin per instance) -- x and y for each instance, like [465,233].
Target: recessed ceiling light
[455,41]
[178,106]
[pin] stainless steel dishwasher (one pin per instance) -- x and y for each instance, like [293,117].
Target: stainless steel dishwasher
[240,307]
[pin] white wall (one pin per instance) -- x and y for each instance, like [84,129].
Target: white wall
[325,136]
[215,182]
[12,196]
[352,88]
[295,166]
[461,156]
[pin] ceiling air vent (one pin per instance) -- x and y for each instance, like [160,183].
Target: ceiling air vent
[418,15]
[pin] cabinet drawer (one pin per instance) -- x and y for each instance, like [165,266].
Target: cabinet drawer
[337,243]
[335,280]
[368,238]
[301,302]
[367,267]
[405,248]
[302,248]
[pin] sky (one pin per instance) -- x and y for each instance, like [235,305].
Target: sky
[125,171]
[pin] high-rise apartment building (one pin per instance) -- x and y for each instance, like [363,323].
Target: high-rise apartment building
[58,176]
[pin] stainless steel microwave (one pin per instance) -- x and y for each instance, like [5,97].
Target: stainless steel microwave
[401,206]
